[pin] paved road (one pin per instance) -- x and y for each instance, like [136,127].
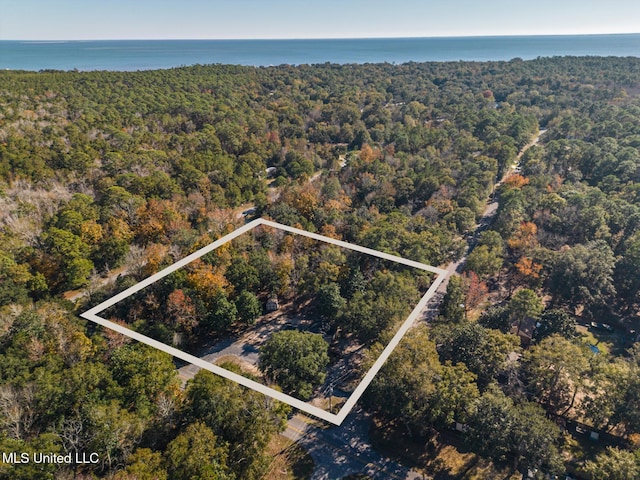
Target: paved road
[485,221]
[246,346]
[345,450]
[238,348]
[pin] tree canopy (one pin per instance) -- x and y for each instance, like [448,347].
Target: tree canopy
[296,361]
[108,177]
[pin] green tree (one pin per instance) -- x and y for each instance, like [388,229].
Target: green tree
[145,374]
[456,388]
[385,302]
[496,317]
[525,303]
[110,253]
[112,430]
[242,275]
[222,313]
[452,308]
[613,396]
[195,454]
[295,360]
[627,273]
[484,261]
[144,464]
[248,307]
[482,350]
[493,241]
[330,302]
[613,464]
[45,442]
[516,435]
[462,220]
[403,387]
[77,272]
[556,321]
[414,388]
[242,418]
[534,440]
[556,370]
[582,275]
[351,281]
[69,253]
[14,280]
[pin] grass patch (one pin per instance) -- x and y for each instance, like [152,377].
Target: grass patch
[607,342]
[440,456]
[290,460]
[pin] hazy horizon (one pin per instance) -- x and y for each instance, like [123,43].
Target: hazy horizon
[61,40]
[68,20]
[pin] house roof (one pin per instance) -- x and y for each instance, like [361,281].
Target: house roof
[524,327]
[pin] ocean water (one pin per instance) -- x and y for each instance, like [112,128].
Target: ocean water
[154,54]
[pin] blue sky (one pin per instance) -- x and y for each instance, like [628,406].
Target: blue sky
[156,19]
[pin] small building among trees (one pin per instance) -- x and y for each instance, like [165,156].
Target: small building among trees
[272,304]
[525,329]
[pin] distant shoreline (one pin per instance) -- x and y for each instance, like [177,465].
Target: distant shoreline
[131,55]
[285,39]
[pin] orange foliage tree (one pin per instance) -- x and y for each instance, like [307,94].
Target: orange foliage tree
[157,219]
[367,154]
[525,238]
[528,269]
[154,255]
[475,290]
[206,280]
[181,312]
[516,181]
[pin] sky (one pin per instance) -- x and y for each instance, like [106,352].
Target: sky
[237,19]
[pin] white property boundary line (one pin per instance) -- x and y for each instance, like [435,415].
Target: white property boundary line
[337,419]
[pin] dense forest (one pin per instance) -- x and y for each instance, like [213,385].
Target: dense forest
[113,176]
[352,299]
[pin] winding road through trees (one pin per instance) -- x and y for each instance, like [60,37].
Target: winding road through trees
[343,450]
